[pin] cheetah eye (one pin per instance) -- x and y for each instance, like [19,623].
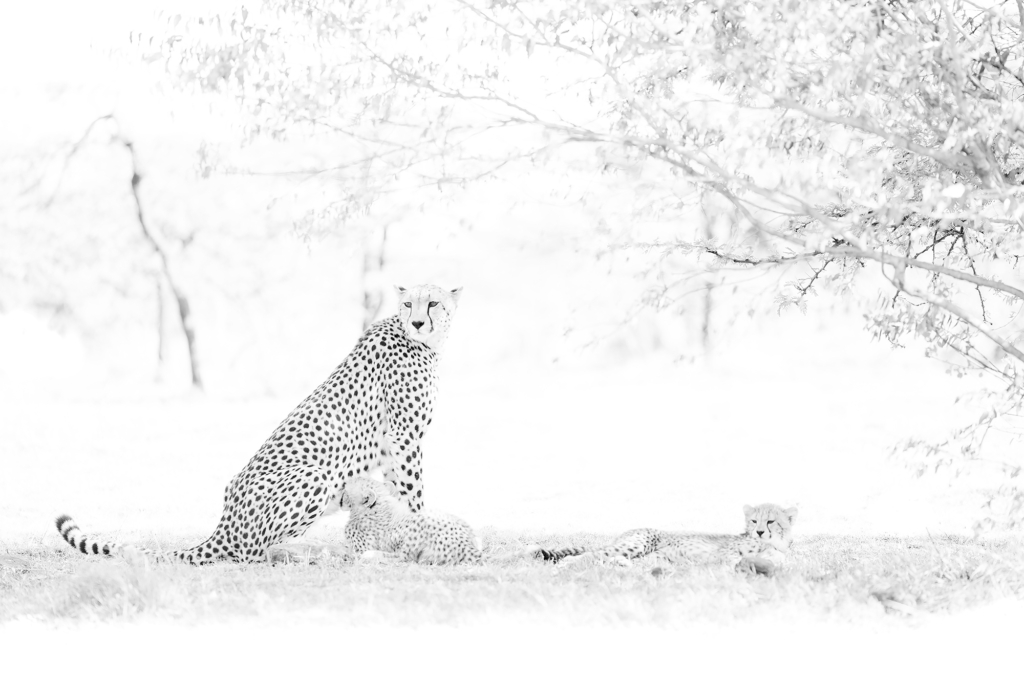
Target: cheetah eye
[432,304]
[407,304]
[770,522]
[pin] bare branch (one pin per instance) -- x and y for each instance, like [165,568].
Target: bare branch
[817,273]
[67,160]
[959,312]
[925,265]
[884,258]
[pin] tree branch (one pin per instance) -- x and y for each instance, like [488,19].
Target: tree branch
[953,161]
[884,258]
[960,313]
[67,160]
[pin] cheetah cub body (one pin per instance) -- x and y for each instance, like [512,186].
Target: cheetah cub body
[380,521]
[766,537]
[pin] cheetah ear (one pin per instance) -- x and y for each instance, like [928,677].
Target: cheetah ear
[456,294]
[399,290]
[748,510]
[791,513]
[371,499]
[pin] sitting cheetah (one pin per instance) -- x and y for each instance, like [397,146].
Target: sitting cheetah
[766,537]
[373,410]
[380,521]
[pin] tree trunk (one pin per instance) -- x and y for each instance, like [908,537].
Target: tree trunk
[159,325]
[705,327]
[184,310]
[373,264]
[374,239]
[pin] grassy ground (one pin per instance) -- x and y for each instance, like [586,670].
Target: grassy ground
[883,562]
[854,606]
[828,576]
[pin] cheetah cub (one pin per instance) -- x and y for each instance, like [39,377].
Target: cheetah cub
[381,521]
[761,547]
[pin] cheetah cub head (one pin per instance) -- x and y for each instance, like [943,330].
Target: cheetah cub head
[426,313]
[770,523]
[363,495]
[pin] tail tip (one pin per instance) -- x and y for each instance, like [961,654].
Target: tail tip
[61,520]
[545,554]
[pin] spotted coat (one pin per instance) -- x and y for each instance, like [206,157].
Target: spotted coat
[766,534]
[372,411]
[380,522]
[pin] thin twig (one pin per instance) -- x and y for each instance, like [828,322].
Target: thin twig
[67,159]
[899,282]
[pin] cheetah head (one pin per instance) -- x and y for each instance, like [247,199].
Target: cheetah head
[426,313]
[770,523]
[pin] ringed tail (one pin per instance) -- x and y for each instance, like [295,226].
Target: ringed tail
[69,530]
[74,536]
[556,555]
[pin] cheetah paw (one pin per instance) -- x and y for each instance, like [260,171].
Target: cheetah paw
[756,566]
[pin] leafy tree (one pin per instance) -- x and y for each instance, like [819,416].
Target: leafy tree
[865,147]
[312,75]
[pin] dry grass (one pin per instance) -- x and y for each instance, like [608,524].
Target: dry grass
[850,577]
[160,481]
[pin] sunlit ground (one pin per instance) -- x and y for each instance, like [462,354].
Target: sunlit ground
[882,562]
[886,580]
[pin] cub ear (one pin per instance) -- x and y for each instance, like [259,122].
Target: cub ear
[456,294]
[748,510]
[399,290]
[371,499]
[791,513]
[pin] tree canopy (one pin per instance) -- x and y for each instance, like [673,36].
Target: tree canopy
[865,147]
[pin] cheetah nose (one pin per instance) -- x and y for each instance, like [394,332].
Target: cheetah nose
[760,533]
[417,324]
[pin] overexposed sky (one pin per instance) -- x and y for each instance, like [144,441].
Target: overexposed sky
[45,36]
[64,63]
[56,40]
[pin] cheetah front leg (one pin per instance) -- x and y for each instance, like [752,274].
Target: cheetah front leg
[402,462]
[404,471]
[387,467]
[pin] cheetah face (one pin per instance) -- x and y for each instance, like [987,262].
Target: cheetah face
[426,312]
[361,492]
[770,523]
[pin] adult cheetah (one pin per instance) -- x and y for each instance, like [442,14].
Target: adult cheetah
[373,410]
[766,538]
